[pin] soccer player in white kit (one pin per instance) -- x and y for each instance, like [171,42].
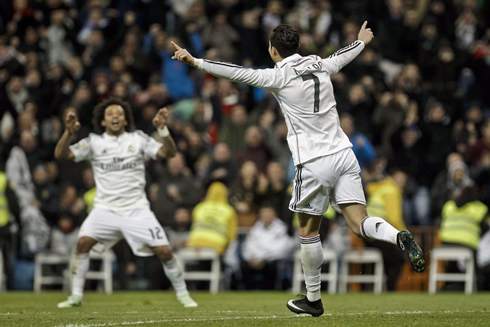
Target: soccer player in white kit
[326,169]
[121,208]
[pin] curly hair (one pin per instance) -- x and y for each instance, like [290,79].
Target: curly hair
[99,113]
[285,39]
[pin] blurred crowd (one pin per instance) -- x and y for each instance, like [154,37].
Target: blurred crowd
[415,104]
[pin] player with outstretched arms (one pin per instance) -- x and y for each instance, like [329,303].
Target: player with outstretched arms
[326,169]
[121,208]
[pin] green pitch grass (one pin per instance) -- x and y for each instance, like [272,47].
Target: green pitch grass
[244,309]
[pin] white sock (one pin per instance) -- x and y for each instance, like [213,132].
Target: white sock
[79,270]
[378,229]
[311,260]
[175,274]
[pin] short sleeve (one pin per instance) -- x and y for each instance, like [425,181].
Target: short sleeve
[82,150]
[149,145]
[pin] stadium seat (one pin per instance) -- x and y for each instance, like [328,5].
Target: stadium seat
[191,255]
[451,253]
[44,259]
[362,256]
[330,257]
[104,274]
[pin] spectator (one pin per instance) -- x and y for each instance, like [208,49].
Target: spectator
[64,236]
[438,127]
[46,194]
[172,191]
[360,107]
[409,146]
[175,75]
[362,147]
[222,168]
[59,47]
[232,130]
[243,194]
[464,220]
[9,217]
[195,147]
[214,221]
[255,149]
[274,191]
[267,243]
[390,114]
[179,233]
[14,95]
[222,37]
[475,152]
[275,137]
[449,184]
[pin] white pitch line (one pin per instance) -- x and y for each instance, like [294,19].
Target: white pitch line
[129,323]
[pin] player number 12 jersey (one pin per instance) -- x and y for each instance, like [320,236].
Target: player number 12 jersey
[118,165]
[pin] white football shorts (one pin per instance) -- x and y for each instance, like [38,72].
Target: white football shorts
[139,227]
[333,179]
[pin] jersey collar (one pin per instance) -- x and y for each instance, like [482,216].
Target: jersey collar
[292,57]
[114,138]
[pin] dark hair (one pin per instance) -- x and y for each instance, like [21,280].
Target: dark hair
[99,113]
[285,39]
[268,205]
[468,194]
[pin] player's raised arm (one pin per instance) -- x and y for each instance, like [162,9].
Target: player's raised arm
[342,57]
[263,78]
[168,150]
[62,150]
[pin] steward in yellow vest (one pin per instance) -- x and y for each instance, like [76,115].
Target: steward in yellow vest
[9,205]
[464,219]
[9,208]
[385,199]
[214,221]
[4,208]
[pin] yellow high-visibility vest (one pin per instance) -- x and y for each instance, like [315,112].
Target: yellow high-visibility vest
[214,225]
[88,198]
[462,225]
[4,208]
[385,201]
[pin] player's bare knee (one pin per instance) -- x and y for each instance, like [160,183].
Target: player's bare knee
[85,244]
[164,253]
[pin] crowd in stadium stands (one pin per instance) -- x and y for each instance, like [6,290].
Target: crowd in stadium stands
[415,104]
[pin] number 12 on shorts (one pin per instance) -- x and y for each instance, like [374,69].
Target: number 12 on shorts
[157,234]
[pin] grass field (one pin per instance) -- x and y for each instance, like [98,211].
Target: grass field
[244,309]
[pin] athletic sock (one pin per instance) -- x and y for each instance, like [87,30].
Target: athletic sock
[378,229]
[79,270]
[175,274]
[312,260]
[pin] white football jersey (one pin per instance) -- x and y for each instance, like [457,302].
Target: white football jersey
[304,91]
[118,165]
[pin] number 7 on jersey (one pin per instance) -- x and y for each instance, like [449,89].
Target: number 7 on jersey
[316,80]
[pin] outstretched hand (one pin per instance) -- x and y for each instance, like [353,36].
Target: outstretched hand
[161,118]
[182,55]
[72,124]
[365,34]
